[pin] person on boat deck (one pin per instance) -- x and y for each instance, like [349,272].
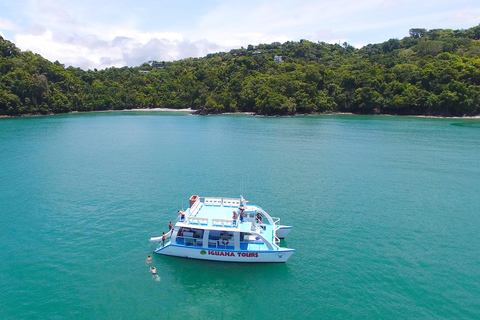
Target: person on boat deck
[164,236]
[149,259]
[153,270]
[242,214]
[259,218]
[170,226]
[182,215]
[234,217]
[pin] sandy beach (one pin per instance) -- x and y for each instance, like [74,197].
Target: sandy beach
[156,109]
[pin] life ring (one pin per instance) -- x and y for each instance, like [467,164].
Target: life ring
[225,242]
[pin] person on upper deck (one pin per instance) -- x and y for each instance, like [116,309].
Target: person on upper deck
[182,215]
[234,218]
[259,218]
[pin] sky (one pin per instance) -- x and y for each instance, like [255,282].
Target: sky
[102,33]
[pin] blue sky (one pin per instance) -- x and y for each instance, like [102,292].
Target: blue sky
[99,34]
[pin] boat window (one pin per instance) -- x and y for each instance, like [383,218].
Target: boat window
[226,235]
[217,235]
[185,232]
[180,232]
[249,237]
[245,236]
[214,235]
[198,233]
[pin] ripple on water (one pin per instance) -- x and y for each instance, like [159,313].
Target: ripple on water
[384,213]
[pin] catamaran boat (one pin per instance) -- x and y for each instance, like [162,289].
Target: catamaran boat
[210,230]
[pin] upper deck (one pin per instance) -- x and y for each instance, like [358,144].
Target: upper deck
[217,214]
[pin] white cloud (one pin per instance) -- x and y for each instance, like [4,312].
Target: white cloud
[469,15]
[67,50]
[6,24]
[132,48]
[243,22]
[57,34]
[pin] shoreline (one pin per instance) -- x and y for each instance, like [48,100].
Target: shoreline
[28,115]
[157,109]
[191,111]
[140,110]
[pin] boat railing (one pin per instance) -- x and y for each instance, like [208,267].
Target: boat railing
[277,239]
[197,221]
[222,222]
[275,220]
[213,201]
[271,220]
[195,207]
[228,202]
[179,217]
[222,202]
[168,235]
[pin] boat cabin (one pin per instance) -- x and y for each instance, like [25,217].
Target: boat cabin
[219,238]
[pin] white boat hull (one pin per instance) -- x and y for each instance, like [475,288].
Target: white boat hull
[282,231]
[226,255]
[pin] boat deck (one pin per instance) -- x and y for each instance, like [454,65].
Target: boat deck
[215,212]
[221,216]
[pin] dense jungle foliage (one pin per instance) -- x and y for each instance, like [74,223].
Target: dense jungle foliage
[431,72]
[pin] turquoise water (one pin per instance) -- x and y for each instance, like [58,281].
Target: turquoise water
[385,210]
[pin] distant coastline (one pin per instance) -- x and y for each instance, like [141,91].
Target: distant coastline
[192,112]
[95,111]
[431,73]
[151,109]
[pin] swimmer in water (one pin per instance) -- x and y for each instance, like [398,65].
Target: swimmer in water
[153,270]
[149,259]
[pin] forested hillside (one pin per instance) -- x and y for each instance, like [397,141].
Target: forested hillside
[431,72]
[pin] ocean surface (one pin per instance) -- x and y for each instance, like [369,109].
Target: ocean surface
[386,215]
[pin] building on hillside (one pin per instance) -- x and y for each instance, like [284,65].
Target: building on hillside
[158,65]
[277,59]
